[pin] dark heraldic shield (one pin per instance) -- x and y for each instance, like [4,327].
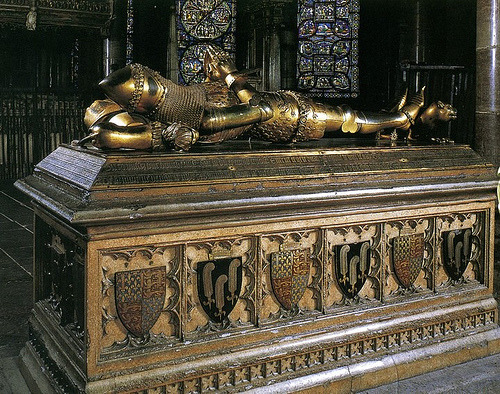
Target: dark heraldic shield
[219,286]
[352,263]
[140,296]
[408,257]
[289,276]
[457,251]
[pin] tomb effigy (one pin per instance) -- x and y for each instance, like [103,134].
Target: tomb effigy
[335,264]
[147,111]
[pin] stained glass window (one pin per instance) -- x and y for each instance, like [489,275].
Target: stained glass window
[327,61]
[201,23]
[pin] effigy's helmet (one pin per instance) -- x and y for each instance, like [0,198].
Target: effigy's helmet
[135,87]
[141,90]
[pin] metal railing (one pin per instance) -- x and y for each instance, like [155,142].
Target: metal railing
[451,84]
[32,125]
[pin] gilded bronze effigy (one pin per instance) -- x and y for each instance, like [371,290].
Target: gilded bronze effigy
[147,111]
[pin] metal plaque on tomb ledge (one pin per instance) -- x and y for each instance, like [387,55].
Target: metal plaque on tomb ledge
[408,256]
[140,296]
[352,263]
[327,61]
[289,276]
[457,250]
[201,23]
[219,286]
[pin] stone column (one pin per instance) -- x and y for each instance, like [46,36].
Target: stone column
[112,55]
[274,70]
[172,48]
[114,44]
[487,141]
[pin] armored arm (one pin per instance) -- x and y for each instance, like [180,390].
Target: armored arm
[217,119]
[112,127]
[220,67]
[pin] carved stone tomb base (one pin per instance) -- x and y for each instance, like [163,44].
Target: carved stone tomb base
[274,269]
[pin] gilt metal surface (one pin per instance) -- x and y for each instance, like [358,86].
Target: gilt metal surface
[240,177]
[185,114]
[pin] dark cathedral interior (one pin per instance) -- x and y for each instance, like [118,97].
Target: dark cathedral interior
[365,54]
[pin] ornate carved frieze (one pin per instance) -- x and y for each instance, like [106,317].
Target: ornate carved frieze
[162,295]
[302,363]
[101,6]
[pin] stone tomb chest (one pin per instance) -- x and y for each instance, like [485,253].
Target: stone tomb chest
[267,268]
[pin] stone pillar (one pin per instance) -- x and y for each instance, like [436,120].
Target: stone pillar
[114,44]
[413,45]
[487,141]
[172,49]
[289,60]
[267,51]
[274,70]
[112,55]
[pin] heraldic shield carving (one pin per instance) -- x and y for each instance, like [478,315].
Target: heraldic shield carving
[140,296]
[219,286]
[458,246]
[352,263]
[289,276]
[408,257]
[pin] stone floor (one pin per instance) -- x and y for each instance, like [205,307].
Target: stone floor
[16,269]
[16,277]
